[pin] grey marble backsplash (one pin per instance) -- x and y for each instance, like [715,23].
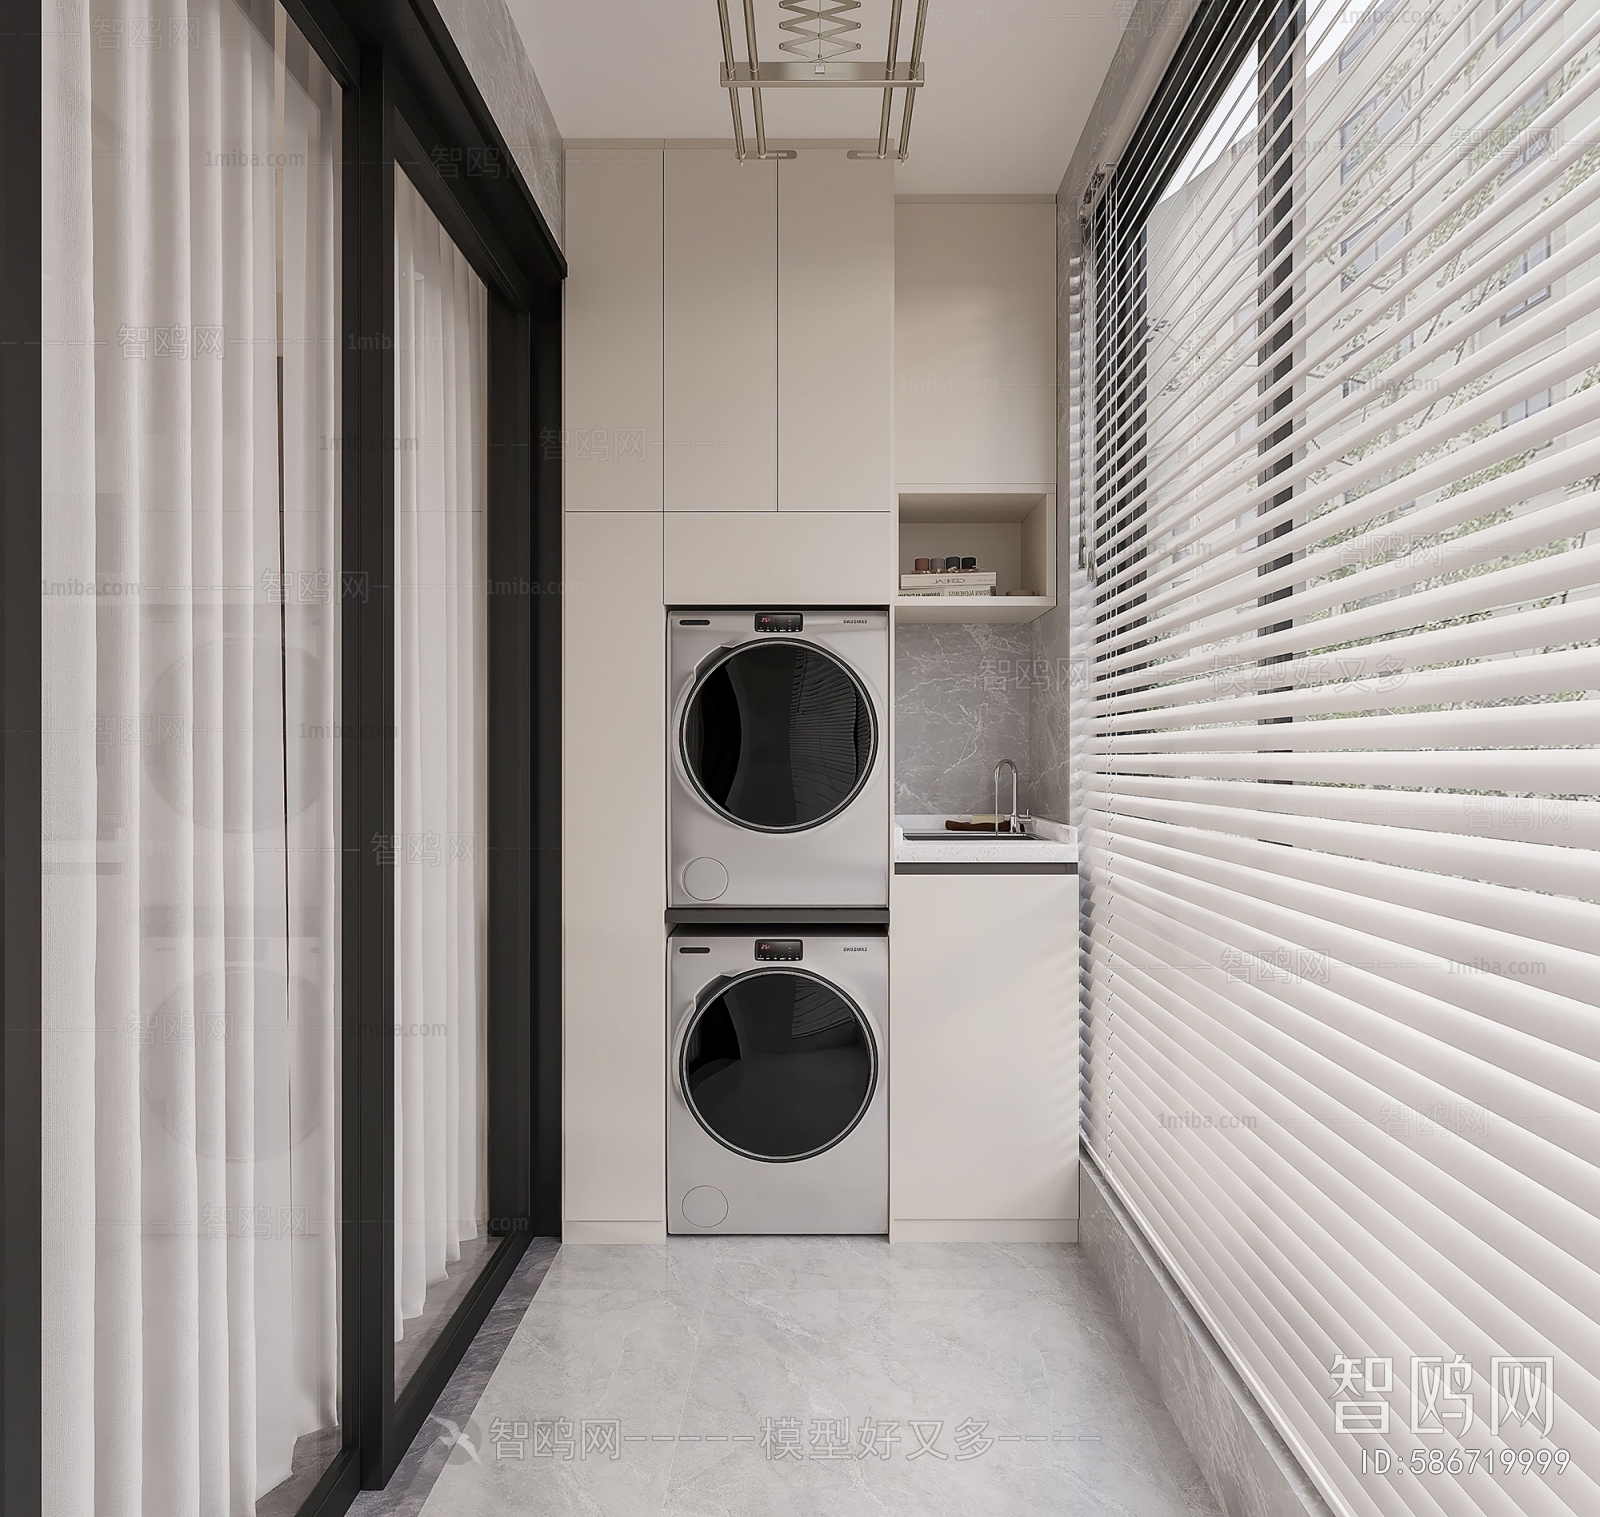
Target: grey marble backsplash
[961,705]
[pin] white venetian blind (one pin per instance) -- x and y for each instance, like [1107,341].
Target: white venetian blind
[1338,575]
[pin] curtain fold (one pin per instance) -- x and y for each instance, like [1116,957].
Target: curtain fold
[441,744]
[190,614]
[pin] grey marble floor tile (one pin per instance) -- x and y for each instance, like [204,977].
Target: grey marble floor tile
[805,1353]
[779,1263]
[713,1479]
[623,1354]
[1020,1364]
[504,1485]
[716,1361]
[1057,1264]
[783,1263]
[1000,1480]
[1057,1478]
[683,1266]
[955,1266]
[1070,1277]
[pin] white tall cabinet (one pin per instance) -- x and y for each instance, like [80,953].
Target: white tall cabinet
[727,440]
[779,301]
[611,381]
[613,824]
[975,342]
[835,332]
[719,255]
[613,699]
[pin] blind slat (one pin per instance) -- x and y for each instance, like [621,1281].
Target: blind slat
[1570,826]
[1530,871]
[1508,913]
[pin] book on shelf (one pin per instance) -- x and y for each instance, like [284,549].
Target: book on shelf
[968,579]
[950,592]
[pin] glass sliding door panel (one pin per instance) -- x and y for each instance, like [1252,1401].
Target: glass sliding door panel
[441,777]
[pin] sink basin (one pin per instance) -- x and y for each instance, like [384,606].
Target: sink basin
[970,837]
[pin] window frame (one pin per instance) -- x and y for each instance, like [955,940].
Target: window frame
[1368,120]
[1524,266]
[1506,29]
[1373,21]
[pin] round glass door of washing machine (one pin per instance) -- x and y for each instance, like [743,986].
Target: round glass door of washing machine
[778,1065]
[778,735]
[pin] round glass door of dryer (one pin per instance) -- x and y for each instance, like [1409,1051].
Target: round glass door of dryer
[778,1065]
[778,735]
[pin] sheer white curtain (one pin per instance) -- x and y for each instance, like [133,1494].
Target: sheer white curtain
[440,768]
[190,628]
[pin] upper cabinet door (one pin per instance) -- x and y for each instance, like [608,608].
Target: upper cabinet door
[975,343]
[835,332]
[720,316]
[612,339]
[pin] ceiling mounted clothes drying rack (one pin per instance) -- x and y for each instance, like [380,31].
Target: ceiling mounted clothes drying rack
[820,39]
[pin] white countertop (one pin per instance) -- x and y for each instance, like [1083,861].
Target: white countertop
[1048,843]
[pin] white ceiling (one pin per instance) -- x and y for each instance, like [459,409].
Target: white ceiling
[1010,82]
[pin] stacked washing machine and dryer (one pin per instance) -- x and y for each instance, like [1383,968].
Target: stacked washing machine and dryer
[778,847]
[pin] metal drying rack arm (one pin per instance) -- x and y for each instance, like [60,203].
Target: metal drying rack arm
[755,76]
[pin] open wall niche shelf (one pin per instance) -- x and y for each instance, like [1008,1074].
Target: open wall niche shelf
[1010,529]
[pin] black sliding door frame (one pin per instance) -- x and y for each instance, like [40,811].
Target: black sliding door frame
[21,958]
[413,110]
[410,105]
[397,134]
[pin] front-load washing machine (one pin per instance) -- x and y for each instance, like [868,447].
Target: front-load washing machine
[778,792]
[777,1101]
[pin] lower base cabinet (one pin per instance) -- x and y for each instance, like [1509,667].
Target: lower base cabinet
[983,1078]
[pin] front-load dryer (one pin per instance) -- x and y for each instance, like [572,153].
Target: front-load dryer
[777,1100]
[778,789]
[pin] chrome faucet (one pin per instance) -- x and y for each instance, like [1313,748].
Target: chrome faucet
[1013,820]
